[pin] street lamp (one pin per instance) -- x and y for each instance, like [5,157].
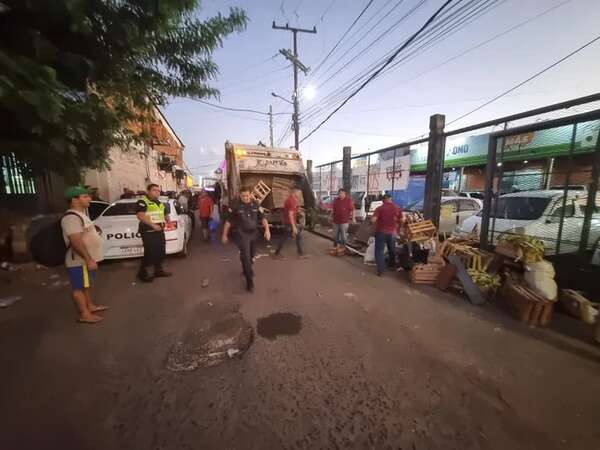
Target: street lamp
[280,97]
[309,92]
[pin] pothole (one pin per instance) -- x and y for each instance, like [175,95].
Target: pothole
[210,344]
[279,324]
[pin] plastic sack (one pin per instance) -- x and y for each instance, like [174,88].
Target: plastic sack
[215,217]
[369,257]
[539,277]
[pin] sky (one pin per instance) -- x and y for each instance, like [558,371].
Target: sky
[395,107]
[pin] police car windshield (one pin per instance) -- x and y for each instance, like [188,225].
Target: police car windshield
[121,209]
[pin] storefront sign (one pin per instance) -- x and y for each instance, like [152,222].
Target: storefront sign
[472,150]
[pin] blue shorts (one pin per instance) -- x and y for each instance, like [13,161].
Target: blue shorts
[80,277]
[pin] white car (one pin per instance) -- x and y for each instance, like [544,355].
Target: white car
[453,211]
[538,213]
[118,226]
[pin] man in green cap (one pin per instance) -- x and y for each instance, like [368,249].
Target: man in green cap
[84,251]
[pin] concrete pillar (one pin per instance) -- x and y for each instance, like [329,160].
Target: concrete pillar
[347,169]
[435,168]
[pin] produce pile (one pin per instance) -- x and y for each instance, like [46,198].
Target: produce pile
[529,248]
[486,281]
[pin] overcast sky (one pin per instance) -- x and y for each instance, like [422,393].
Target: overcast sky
[397,106]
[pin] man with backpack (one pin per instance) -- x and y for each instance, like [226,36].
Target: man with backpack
[84,251]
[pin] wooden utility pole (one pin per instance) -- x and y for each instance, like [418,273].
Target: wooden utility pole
[435,168]
[293,58]
[271,125]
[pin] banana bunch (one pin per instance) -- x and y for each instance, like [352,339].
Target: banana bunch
[486,281]
[530,248]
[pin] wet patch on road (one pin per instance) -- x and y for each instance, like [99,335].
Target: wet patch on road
[279,324]
[210,343]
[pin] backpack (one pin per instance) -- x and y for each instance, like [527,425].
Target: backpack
[48,246]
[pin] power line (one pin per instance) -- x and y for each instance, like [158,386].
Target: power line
[327,9]
[487,41]
[364,10]
[546,69]
[378,71]
[452,26]
[227,108]
[341,92]
[370,45]
[453,22]
[359,29]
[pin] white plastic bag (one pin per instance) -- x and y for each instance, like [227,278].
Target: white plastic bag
[215,216]
[369,257]
[539,277]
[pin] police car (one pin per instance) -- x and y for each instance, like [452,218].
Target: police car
[118,226]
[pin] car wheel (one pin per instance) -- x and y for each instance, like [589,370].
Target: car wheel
[185,250]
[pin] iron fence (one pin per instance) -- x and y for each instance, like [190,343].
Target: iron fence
[533,173]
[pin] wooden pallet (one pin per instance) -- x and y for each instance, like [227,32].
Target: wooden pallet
[421,231]
[260,192]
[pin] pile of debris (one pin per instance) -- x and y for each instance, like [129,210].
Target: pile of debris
[515,273]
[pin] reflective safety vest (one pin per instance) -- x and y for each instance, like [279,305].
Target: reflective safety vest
[154,211]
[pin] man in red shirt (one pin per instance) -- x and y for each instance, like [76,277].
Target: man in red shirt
[343,213]
[205,207]
[386,219]
[290,221]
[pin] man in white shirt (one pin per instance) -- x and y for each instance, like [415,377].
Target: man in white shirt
[83,253]
[183,200]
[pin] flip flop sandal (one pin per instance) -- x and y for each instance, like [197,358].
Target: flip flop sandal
[90,322]
[100,309]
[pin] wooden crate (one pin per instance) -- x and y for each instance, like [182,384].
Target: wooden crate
[527,306]
[260,192]
[425,273]
[421,231]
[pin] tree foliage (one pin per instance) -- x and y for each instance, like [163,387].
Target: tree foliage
[75,73]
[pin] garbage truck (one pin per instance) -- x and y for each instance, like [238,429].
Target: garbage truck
[269,173]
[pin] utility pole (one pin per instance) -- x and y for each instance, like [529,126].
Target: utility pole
[297,65]
[271,125]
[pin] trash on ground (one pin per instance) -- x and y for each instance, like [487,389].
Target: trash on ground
[205,282]
[8,266]
[319,294]
[8,301]
[226,260]
[210,303]
[56,283]
[231,352]
[54,276]
[349,295]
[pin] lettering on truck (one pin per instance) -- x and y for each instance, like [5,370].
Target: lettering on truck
[123,236]
[266,163]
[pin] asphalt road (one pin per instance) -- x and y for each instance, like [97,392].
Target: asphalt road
[341,359]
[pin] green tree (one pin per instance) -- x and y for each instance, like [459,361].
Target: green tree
[75,73]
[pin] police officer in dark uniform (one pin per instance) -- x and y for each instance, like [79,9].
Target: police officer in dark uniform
[244,216]
[153,215]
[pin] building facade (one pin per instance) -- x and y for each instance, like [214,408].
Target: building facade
[159,161]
